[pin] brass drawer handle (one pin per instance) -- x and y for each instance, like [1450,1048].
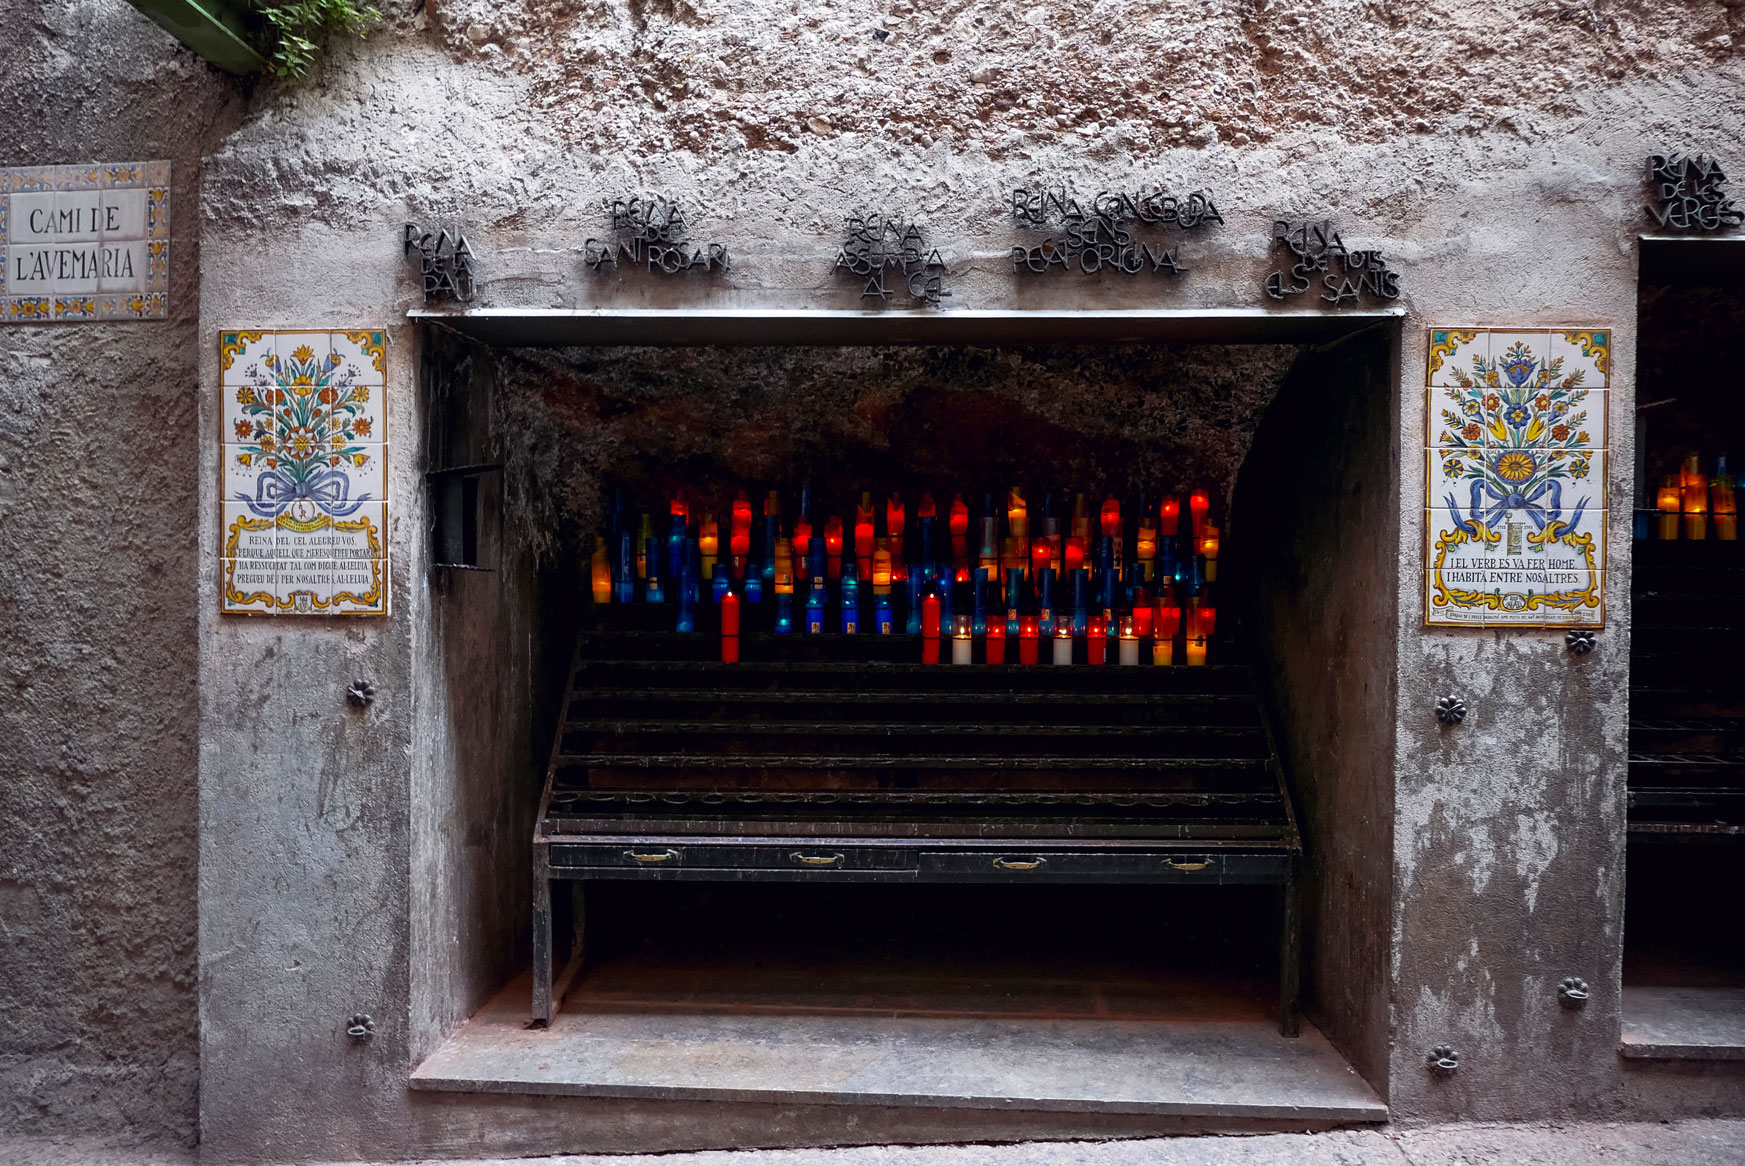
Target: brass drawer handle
[816,859]
[662,856]
[1019,863]
[1200,865]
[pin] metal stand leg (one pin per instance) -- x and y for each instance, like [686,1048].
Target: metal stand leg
[1290,955]
[542,954]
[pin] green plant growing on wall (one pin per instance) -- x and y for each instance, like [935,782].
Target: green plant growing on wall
[298,28]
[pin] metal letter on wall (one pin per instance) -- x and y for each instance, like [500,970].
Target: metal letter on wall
[1104,238]
[887,252]
[1690,194]
[653,233]
[445,262]
[1515,470]
[85,242]
[303,473]
[1323,263]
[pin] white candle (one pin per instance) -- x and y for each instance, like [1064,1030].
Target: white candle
[960,649]
[1063,649]
[1129,651]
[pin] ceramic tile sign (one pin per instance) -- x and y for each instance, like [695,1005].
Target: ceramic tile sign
[303,481]
[85,242]
[1515,465]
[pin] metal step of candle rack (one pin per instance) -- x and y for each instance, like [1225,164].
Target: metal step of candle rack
[844,759]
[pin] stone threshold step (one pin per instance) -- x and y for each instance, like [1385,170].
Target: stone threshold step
[1236,1068]
[1683,1024]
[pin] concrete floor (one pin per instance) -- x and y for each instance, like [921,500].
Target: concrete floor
[1685,1143]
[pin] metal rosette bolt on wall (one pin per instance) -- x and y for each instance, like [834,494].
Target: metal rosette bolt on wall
[445,260]
[878,245]
[1104,237]
[655,234]
[1322,259]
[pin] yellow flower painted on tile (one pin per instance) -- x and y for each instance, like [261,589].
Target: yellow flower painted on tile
[358,459]
[245,459]
[245,396]
[361,394]
[302,353]
[1515,466]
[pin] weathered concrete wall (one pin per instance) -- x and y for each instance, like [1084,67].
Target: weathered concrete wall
[1507,190]
[481,699]
[1313,546]
[97,518]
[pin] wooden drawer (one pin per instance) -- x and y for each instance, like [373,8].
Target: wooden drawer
[808,857]
[1115,866]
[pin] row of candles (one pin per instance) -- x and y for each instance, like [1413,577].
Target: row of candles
[1056,580]
[1689,499]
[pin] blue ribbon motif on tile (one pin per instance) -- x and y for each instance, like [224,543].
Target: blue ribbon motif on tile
[329,489]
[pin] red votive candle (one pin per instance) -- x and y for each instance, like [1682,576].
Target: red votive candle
[1029,633]
[959,525]
[996,641]
[739,545]
[1199,503]
[863,545]
[894,532]
[730,628]
[930,630]
[1111,517]
[1097,640]
[833,545]
[1169,515]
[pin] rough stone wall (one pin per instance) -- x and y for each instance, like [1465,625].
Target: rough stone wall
[97,652]
[650,420]
[649,76]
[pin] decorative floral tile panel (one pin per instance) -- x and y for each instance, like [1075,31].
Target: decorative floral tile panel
[85,242]
[303,473]
[1515,477]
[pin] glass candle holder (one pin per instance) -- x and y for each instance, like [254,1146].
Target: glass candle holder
[1063,643]
[962,640]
